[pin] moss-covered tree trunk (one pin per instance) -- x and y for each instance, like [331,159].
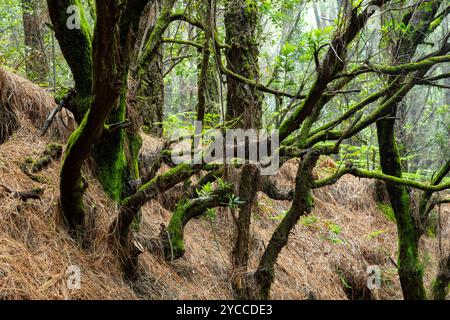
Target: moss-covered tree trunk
[408,224]
[409,267]
[76,45]
[203,65]
[114,39]
[243,103]
[150,89]
[115,153]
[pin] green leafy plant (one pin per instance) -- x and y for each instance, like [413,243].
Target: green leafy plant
[279,216]
[211,214]
[234,201]
[206,190]
[334,232]
[377,233]
[309,221]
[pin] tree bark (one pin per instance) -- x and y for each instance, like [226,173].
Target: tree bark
[409,268]
[202,85]
[408,225]
[76,46]
[36,62]
[150,89]
[244,102]
[302,204]
[172,237]
[112,46]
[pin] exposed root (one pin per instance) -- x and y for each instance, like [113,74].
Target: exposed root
[24,195]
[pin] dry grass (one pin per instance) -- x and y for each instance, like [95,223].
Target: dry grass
[35,250]
[346,232]
[29,101]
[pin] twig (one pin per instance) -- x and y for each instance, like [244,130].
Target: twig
[55,111]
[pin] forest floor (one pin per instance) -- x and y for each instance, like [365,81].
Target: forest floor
[327,255]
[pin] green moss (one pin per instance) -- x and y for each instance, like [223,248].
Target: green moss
[54,150]
[172,172]
[28,160]
[112,173]
[116,154]
[432,224]
[76,44]
[110,157]
[135,144]
[74,137]
[387,211]
[174,244]
[146,129]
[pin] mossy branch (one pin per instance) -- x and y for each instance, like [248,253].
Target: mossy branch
[400,69]
[172,237]
[186,42]
[425,205]
[351,111]
[155,38]
[145,193]
[331,65]
[409,67]
[377,114]
[379,176]
[111,128]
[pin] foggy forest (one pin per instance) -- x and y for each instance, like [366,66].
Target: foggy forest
[224,149]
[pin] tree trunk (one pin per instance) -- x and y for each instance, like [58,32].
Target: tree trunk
[203,66]
[36,62]
[115,153]
[76,46]
[409,267]
[150,90]
[302,204]
[408,224]
[244,102]
[112,47]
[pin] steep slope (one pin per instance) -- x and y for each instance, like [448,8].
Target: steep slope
[327,255]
